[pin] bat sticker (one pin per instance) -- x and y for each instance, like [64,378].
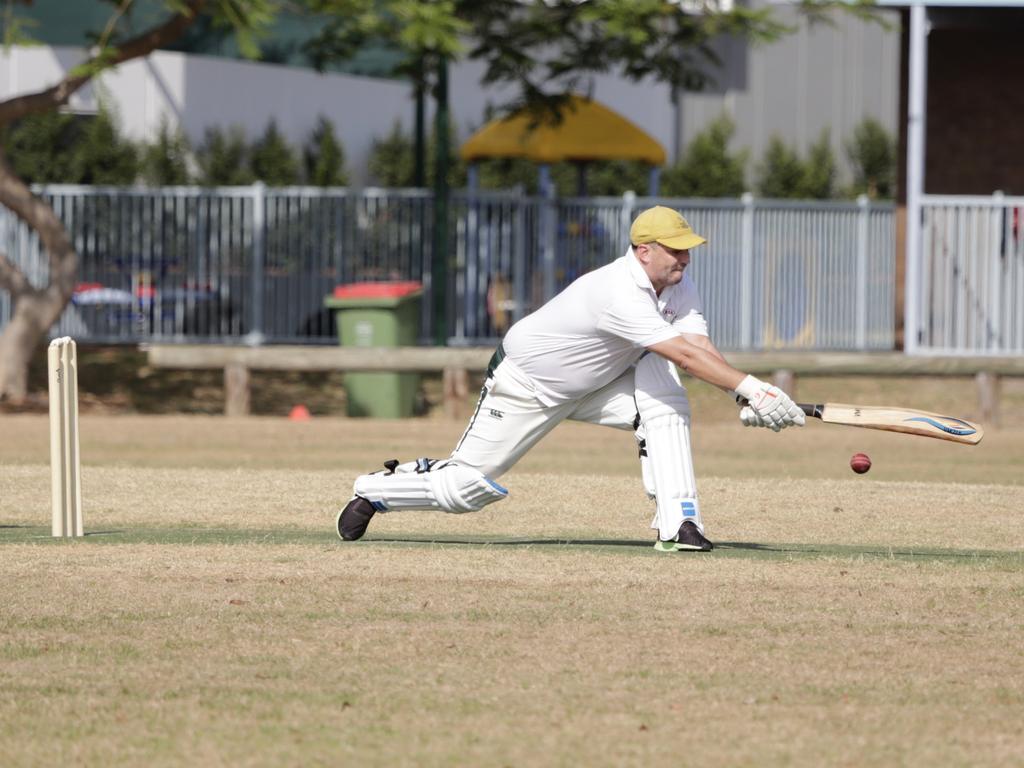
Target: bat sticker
[893,419]
[969,430]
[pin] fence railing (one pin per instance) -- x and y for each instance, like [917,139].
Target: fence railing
[971,290]
[253,264]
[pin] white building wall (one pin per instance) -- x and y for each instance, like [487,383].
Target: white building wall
[198,92]
[820,77]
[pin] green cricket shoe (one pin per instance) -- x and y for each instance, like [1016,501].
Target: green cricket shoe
[688,539]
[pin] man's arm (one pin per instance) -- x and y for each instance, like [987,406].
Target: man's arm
[698,356]
[705,343]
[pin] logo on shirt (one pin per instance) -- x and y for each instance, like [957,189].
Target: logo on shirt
[669,313]
[495,413]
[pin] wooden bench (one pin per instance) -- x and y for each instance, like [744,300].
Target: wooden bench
[455,363]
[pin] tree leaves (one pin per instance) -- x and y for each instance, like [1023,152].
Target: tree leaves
[544,48]
[707,169]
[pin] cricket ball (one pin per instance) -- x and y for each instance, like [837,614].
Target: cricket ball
[860,463]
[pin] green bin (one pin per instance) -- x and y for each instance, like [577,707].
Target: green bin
[381,314]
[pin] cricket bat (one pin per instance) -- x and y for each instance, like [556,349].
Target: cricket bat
[891,419]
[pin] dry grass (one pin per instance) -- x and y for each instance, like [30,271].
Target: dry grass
[845,620]
[722,447]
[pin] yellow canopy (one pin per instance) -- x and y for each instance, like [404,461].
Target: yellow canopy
[588,131]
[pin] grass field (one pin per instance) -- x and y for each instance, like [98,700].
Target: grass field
[212,617]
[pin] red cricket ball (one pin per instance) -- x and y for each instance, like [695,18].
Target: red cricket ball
[860,463]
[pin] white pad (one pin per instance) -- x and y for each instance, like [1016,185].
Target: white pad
[665,418]
[646,476]
[447,486]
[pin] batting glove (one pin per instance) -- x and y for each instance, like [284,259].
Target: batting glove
[768,406]
[750,418]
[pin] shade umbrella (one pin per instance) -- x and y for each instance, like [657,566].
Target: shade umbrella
[588,131]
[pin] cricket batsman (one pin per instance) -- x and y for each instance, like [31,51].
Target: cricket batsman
[602,351]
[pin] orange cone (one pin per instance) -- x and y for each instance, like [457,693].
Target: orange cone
[299,413]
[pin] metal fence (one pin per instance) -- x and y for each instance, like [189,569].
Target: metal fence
[970,289]
[254,264]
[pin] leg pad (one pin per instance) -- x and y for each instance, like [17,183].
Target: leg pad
[451,487]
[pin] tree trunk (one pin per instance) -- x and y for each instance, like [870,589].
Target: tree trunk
[36,309]
[33,313]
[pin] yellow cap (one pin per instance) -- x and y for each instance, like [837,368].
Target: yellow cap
[665,226]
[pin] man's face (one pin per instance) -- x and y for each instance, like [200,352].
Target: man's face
[663,265]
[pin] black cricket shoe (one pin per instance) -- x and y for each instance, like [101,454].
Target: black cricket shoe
[354,518]
[688,539]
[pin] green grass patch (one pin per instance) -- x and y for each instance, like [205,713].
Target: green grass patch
[625,547]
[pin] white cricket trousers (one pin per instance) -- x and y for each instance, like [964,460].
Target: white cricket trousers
[509,420]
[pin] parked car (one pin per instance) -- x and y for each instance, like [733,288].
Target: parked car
[152,309]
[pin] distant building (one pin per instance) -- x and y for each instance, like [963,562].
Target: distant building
[821,77]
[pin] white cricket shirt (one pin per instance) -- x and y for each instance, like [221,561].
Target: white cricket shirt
[596,328]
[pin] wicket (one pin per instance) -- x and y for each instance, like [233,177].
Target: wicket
[65,462]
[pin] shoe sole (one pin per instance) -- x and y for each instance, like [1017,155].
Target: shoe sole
[675,546]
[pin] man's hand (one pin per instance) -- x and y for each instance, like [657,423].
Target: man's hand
[749,417]
[768,406]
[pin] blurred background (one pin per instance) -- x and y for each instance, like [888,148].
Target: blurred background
[215,175]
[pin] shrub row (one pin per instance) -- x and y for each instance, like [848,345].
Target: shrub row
[58,147]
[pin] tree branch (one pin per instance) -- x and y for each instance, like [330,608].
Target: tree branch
[138,46]
[12,279]
[37,214]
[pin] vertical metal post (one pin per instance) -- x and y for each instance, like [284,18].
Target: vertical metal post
[548,229]
[439,262]
[336,212]
[256,336]
[747,273]
[425,246]
[677,125]
[653,181]
[862,271]
[916,116]
[997,239]
[471,310]
[474,270]
[626,213]
[420,151]
[519,258]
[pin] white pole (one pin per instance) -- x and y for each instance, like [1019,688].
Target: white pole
[747,274]
[916,114]
[256,335]
[549,228]
[999,233]
[862,272]
[626,213]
